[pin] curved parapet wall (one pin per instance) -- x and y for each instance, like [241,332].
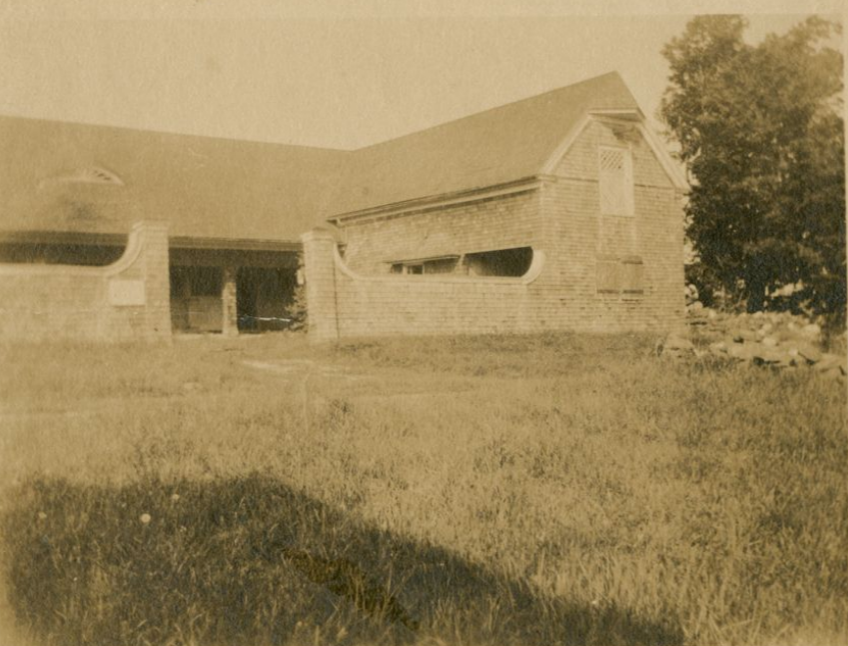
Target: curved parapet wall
[127,300]
[343,303]
[532,273]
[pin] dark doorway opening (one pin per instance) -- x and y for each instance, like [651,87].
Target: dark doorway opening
[262,296]
[196,299]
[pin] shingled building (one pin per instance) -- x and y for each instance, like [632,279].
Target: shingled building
[561,211]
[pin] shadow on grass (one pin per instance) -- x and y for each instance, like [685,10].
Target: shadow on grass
[250,561]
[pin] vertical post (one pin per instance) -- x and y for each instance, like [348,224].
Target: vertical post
[229,325]
[319,265]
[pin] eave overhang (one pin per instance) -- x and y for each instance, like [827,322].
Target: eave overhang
[395,209]
[120,240]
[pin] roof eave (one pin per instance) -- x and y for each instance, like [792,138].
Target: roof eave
[120,240]
[522,185]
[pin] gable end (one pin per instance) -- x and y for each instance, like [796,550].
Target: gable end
[611,117]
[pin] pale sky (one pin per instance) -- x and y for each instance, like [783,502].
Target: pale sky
[320,73]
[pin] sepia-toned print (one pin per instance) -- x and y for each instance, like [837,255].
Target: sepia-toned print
[409,326]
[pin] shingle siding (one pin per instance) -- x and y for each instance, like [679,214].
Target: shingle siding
[580,235]
[484,225]
[561,219]
[57,302]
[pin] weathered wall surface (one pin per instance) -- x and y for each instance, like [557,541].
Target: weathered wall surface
[484,225]
[345,304]
[561,220]
[579,236]
[128,300]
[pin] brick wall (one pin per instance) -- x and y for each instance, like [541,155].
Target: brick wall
[561,219]
[127,300]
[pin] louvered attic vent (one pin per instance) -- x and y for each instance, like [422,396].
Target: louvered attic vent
[612,159]
[615,181]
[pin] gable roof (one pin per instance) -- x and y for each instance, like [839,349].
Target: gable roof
[500,145]
[68,177]
[76,178]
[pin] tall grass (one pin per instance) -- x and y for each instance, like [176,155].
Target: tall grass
[247,560]
[579,489]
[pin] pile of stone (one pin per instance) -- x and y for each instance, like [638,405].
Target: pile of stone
[777,339]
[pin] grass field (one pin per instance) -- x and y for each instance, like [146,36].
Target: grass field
[482,490]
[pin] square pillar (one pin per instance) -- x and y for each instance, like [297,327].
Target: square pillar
[155,269]
[319,248]
[229,326]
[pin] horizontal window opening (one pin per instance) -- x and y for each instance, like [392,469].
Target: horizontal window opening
[504,262]
[84,255]
[440,265]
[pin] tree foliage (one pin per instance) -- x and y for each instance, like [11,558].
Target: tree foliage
[761,134]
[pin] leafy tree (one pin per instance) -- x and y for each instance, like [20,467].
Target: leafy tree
[761,133]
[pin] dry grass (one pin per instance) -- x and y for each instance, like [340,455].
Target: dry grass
[552,488]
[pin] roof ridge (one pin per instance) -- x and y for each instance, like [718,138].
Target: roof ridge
[170,133]
[572,86]
[534,97]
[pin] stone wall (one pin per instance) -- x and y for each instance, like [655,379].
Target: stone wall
[127,300]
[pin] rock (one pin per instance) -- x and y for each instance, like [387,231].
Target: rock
[786,361]
[766,355]
[770,341]
[712,314]
[829,362]
[719,347]
[810,353]
[675,346]
[833,373]
[744,335]
[811,330]
[741,351]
